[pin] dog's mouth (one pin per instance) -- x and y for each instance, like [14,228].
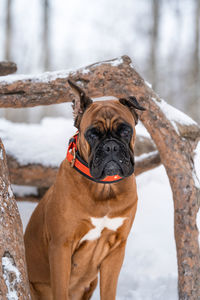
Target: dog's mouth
[112,168]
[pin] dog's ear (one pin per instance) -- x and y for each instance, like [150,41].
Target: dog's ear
[79,108]
[132,103]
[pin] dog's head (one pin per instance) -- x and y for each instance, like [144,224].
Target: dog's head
[107,134]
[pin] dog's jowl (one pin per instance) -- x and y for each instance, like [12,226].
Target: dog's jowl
[80,227]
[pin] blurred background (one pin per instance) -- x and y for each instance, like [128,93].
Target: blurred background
[160,36]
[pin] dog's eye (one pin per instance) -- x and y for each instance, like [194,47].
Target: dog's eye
[92,135]
[125,132]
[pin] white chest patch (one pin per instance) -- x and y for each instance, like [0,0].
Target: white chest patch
[100,224]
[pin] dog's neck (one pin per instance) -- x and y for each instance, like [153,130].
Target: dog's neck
[99,191]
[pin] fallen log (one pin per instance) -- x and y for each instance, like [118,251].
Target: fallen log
[29,198]
[13,276]
[31,174]
[177,149]
[147,162]
[7,67]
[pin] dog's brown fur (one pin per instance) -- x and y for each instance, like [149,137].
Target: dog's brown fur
[59,267]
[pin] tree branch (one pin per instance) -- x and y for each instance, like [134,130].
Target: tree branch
[7,67]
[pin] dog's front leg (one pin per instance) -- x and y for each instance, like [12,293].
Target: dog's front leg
[60,268]
[109,272]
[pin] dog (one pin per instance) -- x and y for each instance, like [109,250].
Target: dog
[80,227]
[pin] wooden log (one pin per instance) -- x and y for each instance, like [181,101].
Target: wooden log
[29,198]
[13,276]
[118,78]
[143,144]
[147,162]
[7,67]
[31,174]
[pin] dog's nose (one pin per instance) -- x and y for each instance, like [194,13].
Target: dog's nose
[111,147]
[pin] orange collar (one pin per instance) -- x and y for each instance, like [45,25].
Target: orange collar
[81,166]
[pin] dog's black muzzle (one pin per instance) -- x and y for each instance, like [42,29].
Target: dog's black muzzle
[111,157]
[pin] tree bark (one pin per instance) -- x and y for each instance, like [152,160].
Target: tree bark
[13,275]
[31,174]
[118,78]
[7,67]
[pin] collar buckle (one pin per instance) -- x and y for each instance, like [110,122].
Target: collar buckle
[74,157]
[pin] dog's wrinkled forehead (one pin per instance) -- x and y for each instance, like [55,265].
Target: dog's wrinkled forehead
[123,105]
[106,115]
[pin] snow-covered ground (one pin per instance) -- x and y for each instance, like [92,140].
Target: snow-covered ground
[149,271]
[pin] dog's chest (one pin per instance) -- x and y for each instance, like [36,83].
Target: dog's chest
[99,239]
[99,224]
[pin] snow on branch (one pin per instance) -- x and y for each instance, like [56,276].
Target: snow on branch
[182,123]
[11,275]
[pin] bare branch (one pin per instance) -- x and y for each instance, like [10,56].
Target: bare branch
[7,67]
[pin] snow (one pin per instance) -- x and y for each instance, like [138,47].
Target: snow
[1,154]
[23,190]
[141,130]
[10,192]
[47,76]
[50,76]
[148,84]
[10,281]
[104,98]
[85,71]
[44,77]
[116,62]
[174,115]
[23,141]
[196,175]
[149,271]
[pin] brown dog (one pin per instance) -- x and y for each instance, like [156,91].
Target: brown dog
[81,225]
